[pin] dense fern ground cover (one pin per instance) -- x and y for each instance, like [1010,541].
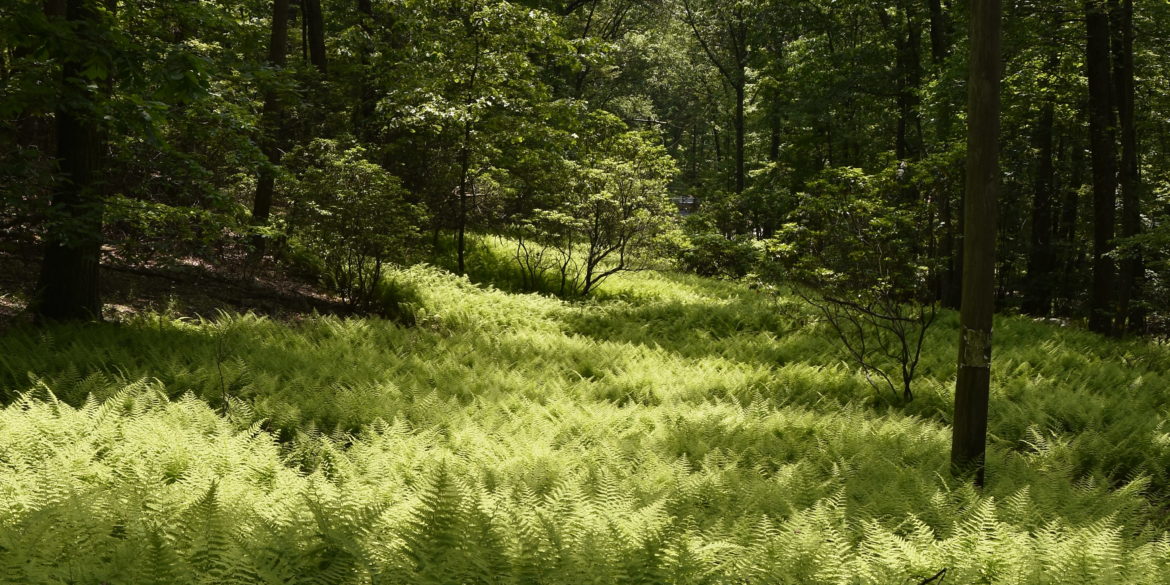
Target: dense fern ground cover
[673,430]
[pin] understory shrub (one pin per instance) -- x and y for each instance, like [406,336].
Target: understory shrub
[353,215]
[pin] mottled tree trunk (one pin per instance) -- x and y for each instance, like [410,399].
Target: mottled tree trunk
[969,440]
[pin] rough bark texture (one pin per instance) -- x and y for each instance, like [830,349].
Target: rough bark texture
[68,287]
[974,377]
[1101,142]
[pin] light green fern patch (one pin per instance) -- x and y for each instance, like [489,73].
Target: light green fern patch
[673,430]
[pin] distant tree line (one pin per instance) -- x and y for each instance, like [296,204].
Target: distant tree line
[201,127]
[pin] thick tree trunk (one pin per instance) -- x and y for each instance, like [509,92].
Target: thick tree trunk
[1041,259]
[1130,317]
[68,287]
[974,378]
[1101,142]
[271,121]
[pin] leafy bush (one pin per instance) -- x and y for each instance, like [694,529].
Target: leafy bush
[353,215]
[855,251]
[709,254]
[615,206]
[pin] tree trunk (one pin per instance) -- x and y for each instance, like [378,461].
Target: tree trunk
[464,170]
[974,378]
[315,24]
[364,107]
[739,133]
[948,252]
[908,144]
[68,287]
[1038,293]
[1130,317]
[1068,244]
[938,33]
[271,121]
[1101,142]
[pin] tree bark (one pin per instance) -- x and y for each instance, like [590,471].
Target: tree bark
[1130,316]
[271,122]
[1101,142]
[969,441]
[315,24]
[948,252]
[1068,244]
[908,144]
[938,33]
[1041,259]
[740,98]
[68,287]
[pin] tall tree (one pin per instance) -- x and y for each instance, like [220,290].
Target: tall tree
[722,32]
[1041,255]
[68,287]
[1129,314]
[1102,143]
[315,33]
[972,388]
[272,120]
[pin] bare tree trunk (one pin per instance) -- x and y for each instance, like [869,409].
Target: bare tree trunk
[315,23]
[1130,317]
[969,441]
[1041,259]
[271,122]
[1101,141]
[740,97]
[68,287]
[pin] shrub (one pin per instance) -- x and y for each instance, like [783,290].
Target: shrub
[353,215]
[852,248]
[710,254]
[615,206]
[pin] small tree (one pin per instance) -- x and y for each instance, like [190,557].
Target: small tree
[616,204]
[858,259]
[352,215]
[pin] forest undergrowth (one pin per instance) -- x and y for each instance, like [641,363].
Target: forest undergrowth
[674,429]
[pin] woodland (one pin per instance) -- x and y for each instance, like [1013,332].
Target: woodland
[584,291]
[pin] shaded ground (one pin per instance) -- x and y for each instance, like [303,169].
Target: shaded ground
[188,288]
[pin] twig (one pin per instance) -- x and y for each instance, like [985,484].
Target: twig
[939,576]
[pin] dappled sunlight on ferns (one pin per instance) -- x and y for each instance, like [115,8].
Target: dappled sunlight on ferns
[677,430]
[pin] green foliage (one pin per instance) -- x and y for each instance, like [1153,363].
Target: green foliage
[674,429]
[708,254]
[855,252]
[615,208]
[351,214]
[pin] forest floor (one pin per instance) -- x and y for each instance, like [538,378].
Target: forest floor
[673,429]
[187,288]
